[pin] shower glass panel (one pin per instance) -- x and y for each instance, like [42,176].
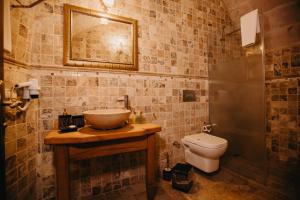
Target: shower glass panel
[236,104]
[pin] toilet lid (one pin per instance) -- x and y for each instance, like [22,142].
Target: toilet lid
[206,140]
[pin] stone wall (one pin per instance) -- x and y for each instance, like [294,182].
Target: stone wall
[21,142]
[172,48]
[21,21]
[172,34]
[282,91]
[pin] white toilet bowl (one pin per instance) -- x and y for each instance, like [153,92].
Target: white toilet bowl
[203,151]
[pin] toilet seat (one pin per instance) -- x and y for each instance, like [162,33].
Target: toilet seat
[206,140]
[204,151]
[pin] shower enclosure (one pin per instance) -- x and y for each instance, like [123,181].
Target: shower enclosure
[236,103]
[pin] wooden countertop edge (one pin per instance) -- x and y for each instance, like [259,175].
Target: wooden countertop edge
[88,139]
[153,130]
[56,138]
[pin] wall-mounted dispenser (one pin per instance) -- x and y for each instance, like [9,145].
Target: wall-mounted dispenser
[29,90]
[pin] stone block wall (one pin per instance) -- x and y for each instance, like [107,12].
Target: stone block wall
[21,142]
[282,98]
[172,34]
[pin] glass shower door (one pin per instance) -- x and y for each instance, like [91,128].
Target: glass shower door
[236,105]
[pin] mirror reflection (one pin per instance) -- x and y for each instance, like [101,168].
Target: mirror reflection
[100,39]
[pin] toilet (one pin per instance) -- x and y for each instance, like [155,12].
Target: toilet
[203,151]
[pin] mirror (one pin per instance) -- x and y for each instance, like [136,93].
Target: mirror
[95,39]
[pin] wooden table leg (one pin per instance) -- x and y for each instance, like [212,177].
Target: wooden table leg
[61,155]
[151,168]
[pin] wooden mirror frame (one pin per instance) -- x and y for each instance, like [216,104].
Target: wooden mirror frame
[98,64]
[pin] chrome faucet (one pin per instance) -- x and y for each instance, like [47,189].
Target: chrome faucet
[126,101]
[208,128]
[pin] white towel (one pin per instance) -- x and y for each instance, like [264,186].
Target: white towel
[249,27]
[7,27]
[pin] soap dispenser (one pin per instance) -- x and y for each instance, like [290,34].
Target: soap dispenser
[140,119]
[132,117]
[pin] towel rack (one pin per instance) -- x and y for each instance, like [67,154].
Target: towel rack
[21,5]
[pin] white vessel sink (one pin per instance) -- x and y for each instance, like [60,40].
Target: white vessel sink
[106,118]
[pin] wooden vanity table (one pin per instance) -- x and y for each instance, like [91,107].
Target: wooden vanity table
[90,143]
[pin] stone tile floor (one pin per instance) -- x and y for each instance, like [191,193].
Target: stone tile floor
[224,185]
[280,177]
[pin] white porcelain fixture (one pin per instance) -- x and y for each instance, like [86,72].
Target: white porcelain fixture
[204,151]
[106,118]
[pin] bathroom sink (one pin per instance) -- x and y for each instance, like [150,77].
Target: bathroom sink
[106,118]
